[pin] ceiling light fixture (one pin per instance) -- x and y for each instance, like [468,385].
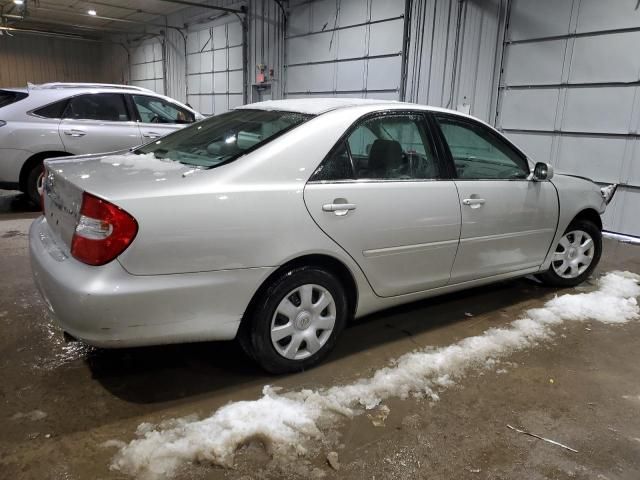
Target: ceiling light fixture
[18,2]
[93,13]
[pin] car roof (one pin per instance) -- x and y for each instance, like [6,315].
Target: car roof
[86,86]
[317,106]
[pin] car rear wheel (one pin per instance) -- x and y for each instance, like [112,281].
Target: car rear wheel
[575,256]
[295,322]
[34,183]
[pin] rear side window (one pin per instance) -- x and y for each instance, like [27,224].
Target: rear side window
[386,147]
[53,110]
[108,107]
[7,97]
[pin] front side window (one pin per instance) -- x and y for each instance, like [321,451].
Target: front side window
[223,138]
[479,154]
[108,107]
[386,147]
[157,110]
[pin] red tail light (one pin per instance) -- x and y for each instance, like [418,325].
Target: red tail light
[103,231]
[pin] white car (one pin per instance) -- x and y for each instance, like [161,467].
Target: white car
[62,119]
[277,222]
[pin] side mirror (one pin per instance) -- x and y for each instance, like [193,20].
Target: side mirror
[542,171]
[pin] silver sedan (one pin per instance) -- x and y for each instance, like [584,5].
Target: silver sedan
[278,222]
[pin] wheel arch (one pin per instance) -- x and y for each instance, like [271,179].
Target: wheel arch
[590,215]
[324,261]
[34,160]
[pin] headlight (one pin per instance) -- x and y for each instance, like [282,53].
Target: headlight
[608,192]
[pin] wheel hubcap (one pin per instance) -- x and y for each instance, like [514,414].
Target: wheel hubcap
[574,254]
[303,322]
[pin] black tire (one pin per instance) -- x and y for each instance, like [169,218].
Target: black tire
[32,183]
[255,332]
[552,279]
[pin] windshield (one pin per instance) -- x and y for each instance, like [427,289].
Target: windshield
[223,138]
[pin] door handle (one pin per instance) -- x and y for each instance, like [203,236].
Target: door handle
[75,133]
[151,135]
[340,209]
[473,202]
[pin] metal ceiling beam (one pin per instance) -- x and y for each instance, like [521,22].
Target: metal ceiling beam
[99,17]
[210,7]
[45,33]
[45,23]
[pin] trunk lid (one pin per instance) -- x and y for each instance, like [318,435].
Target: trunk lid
[112,177]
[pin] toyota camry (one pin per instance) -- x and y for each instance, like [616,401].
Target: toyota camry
[278,222]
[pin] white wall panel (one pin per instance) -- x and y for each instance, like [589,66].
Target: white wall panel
[383,73]
[214,65]
[534,63]
[350,75]
[598,15]
[540,106]
[605,58]
[384,38]
[312,38]
[352,42]
[604,109]
[593,157]
[536,146]
[539,18]
[147,65]
[352,12]
[381,9]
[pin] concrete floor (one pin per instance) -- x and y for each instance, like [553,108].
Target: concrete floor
[61,402]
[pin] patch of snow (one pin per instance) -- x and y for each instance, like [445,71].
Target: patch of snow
[290,424]
[145,161]
[34,415]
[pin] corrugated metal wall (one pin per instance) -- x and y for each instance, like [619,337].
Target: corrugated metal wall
[147,65]
[215,78]
[570,93]
[37,59]
[266,45]
[349,48]
[452,54]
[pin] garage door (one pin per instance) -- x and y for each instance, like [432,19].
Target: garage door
[147,65]
[345,48]
[569,93]
[215,79]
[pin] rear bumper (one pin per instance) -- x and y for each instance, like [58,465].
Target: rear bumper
[108,307]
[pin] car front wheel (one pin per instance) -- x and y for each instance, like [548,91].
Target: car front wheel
[295,322]
[575,256]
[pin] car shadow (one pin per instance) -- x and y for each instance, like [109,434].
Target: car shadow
[14,202]
[159,374]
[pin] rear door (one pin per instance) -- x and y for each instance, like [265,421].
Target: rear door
[158,117]
[508,221]
[98,122]
[385,197]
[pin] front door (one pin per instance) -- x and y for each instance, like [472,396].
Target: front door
[384,197]
[508,221]
[96,123]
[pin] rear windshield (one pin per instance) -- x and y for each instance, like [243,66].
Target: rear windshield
[223,138]
[7,97]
